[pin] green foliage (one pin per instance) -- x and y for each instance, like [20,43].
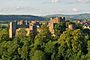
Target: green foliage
[71,42]
[88,54]
[4,35]
[66,45]
[50,46]
[72,39]
[22,32]
[79,26]
[40,40]
[59,28]
[39,55]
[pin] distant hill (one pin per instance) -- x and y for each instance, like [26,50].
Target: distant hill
[42,18]
[21,17]
[76,16]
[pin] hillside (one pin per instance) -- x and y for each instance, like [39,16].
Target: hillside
[20,17]
[42,18]
[77,16]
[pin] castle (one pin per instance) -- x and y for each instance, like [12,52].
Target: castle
[15,26]
[53,21]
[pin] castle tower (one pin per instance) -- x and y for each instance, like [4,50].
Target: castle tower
[62,19]
[21,22]
[71,26]
[53,21]
[12,29]
[26,22]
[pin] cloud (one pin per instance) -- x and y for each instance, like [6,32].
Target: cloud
[20,10]
[55,1]
[84,1]
[75,10]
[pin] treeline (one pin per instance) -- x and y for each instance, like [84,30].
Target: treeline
[21,17]
[66,45]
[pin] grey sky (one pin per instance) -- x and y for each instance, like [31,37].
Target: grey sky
[44,7]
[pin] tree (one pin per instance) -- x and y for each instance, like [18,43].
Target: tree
[79,26]
[24,47]
[59,28]
[4,36]
[22,32]
[40,40]
[50,46]
[39,55]
[88,54]
[71,41]
[51,49]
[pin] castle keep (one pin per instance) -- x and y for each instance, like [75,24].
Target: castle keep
[53,21]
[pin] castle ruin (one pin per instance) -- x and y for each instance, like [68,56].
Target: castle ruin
[15,26]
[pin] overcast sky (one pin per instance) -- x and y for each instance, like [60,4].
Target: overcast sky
[44,7]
